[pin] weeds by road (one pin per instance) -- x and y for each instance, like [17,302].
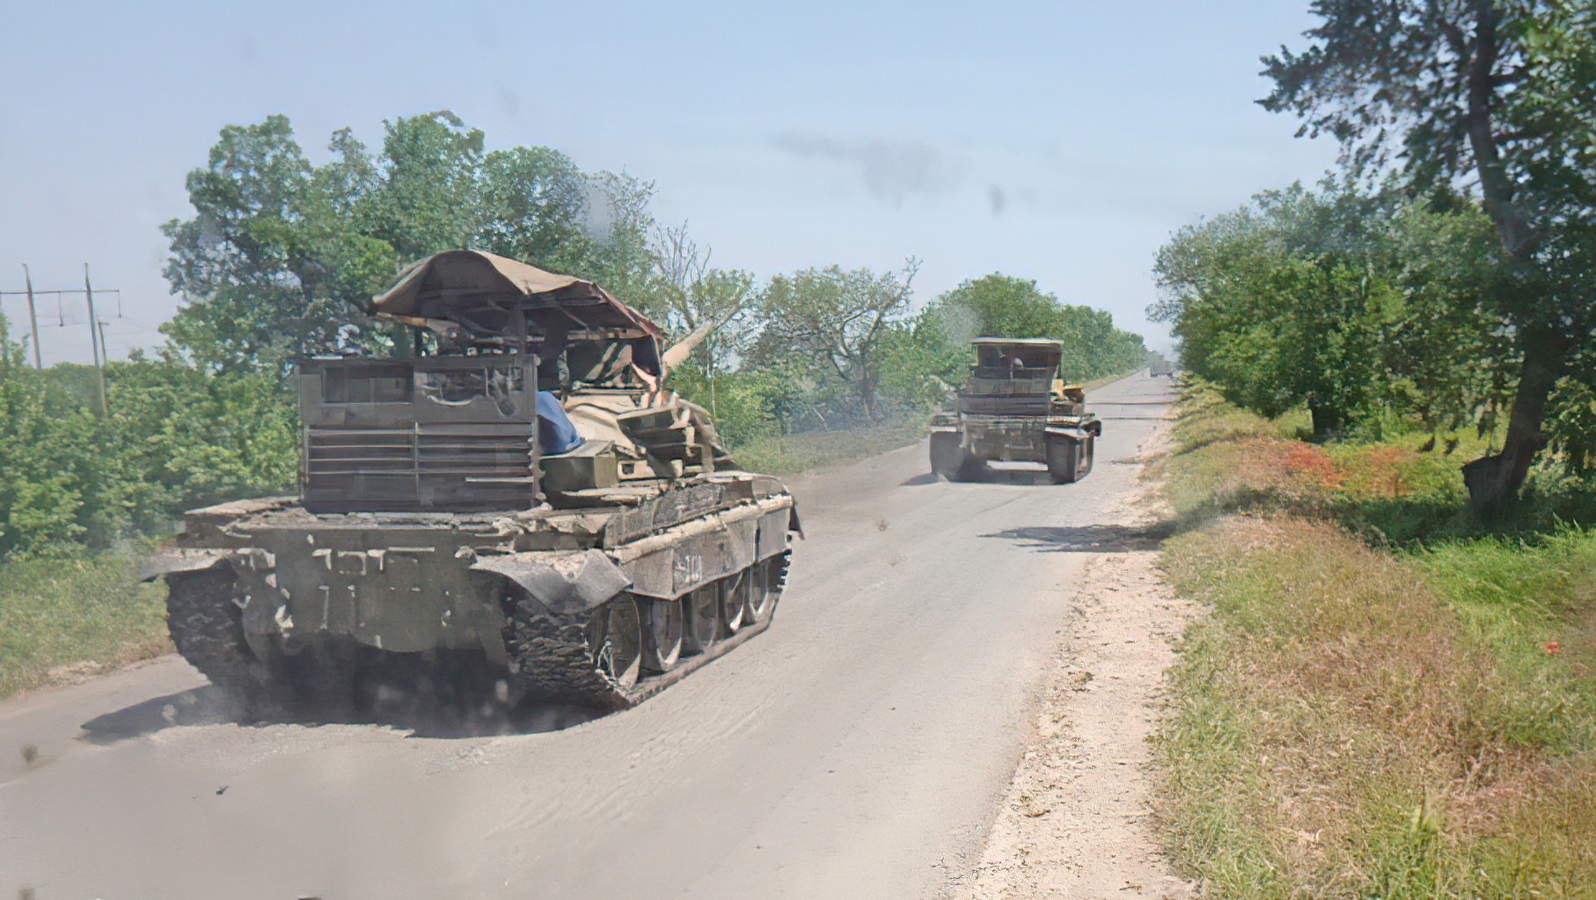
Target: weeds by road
[1386,701]
[65,618]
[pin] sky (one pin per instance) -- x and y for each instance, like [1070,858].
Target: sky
[1058,141]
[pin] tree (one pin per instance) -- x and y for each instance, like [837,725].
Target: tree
[1497,92]
[282,258]
[836,320]
[688,295]
[235,261]
[533,201]
[1275,303]
[426,199]
[1349,302]
[1446,354]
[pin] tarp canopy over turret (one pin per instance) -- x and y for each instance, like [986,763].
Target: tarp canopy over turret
[479,292]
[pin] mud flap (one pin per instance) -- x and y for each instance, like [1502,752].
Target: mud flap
[180,560]
[564,582]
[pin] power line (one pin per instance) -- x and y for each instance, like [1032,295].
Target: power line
[96,327]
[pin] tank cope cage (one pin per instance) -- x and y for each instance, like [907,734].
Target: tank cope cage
[456,431]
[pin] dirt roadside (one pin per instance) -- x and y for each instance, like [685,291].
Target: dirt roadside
[1077,817]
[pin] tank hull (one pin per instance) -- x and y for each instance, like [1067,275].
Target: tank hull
[523,589]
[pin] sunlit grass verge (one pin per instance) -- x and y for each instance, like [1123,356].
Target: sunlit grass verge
[792,453]
[67,617]
[1404,490]
[1339,730]
[1355,721]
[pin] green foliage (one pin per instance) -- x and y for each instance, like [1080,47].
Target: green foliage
[175,438]
[828,324]
[1573,423]
[282,257]
[1499,97]
[1356,305]
[63,612]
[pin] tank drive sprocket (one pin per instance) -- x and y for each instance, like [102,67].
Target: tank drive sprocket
[590,658]
[205,619]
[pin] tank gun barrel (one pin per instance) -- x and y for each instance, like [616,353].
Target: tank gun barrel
[678,353]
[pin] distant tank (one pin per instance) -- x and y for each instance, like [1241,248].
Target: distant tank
[520,490]
[1015,408]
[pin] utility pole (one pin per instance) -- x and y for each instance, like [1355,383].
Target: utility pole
[94,338]
[102,351]
[96,331]
[33,318]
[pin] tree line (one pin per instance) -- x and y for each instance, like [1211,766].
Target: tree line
[282,256]
[1447,275]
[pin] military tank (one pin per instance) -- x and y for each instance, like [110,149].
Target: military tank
[1015,408]
[516,486]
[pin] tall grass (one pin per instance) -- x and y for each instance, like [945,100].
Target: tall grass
[1339,730]
[81,614]
[1363,716]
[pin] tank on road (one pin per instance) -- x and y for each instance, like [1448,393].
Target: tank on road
[517,492]
[1014,407]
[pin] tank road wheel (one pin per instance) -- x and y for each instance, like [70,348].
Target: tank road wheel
[662,635]
[702,614]
[1063,457]
[206,622]
[616,636]
[769,577]
[734,602]
[947,454]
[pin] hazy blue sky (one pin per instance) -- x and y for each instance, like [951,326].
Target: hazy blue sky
[1058,141]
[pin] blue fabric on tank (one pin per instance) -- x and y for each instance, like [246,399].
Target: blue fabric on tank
[555,432]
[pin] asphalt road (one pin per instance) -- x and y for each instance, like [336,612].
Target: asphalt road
[859,748]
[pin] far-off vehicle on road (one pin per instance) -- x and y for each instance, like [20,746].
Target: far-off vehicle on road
[1015,408]
[517,493]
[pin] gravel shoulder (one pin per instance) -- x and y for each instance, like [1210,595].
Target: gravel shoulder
[1077,818]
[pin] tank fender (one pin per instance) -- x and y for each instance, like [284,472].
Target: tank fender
[1073,433]
[564,582]
[179,560]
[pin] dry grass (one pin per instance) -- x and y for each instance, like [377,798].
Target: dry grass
[62,619]
[1335,733]
[1356,722]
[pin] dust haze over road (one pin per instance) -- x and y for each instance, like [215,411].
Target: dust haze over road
[859,748]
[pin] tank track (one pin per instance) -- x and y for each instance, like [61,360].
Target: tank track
[551,655]
[206,625]
[779,585]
